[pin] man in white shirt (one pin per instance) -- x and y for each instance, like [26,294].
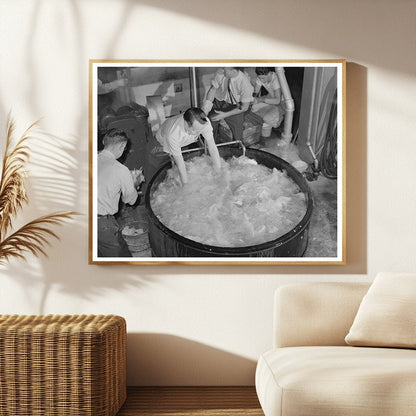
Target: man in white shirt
[177,132]
[236,104]
[269,107]
[115,181]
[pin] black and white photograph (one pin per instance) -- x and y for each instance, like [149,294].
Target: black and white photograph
[209,162]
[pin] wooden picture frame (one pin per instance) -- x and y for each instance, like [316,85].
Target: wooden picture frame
[306,144]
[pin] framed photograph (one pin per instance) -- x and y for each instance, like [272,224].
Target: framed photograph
[217,162]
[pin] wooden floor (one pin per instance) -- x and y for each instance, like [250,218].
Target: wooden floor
[187,401]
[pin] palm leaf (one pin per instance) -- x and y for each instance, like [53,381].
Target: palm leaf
[12,183]
[33,237]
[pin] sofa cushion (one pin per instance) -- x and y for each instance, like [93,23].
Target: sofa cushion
[304,381]
[387,314]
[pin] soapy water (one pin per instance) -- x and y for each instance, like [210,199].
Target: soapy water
[243,204]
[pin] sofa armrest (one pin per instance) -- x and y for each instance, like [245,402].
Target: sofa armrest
[315,313]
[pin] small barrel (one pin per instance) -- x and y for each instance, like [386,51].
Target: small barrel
[136,235]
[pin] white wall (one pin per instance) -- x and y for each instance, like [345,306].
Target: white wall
[206,324]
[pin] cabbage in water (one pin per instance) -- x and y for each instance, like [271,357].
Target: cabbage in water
[242,205]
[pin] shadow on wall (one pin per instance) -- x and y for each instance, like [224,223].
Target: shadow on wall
[61,178]
[359,23]
[60,182]
[161,359]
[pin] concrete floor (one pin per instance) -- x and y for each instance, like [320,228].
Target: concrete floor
[323,224]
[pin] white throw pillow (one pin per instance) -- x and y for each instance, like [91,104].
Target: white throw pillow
[387,314]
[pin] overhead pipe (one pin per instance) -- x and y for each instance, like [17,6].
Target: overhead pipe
[289,104]
[193,82]
[311,118]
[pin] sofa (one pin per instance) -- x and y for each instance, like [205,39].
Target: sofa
[342,349]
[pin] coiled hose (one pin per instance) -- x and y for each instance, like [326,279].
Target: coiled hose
[328,157]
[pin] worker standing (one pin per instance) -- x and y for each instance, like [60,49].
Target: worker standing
[115,181]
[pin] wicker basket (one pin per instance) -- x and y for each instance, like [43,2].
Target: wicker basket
[71,365]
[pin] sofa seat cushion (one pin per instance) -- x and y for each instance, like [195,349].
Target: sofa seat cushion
[341,380]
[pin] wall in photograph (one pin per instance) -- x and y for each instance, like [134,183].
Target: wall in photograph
[188,324]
